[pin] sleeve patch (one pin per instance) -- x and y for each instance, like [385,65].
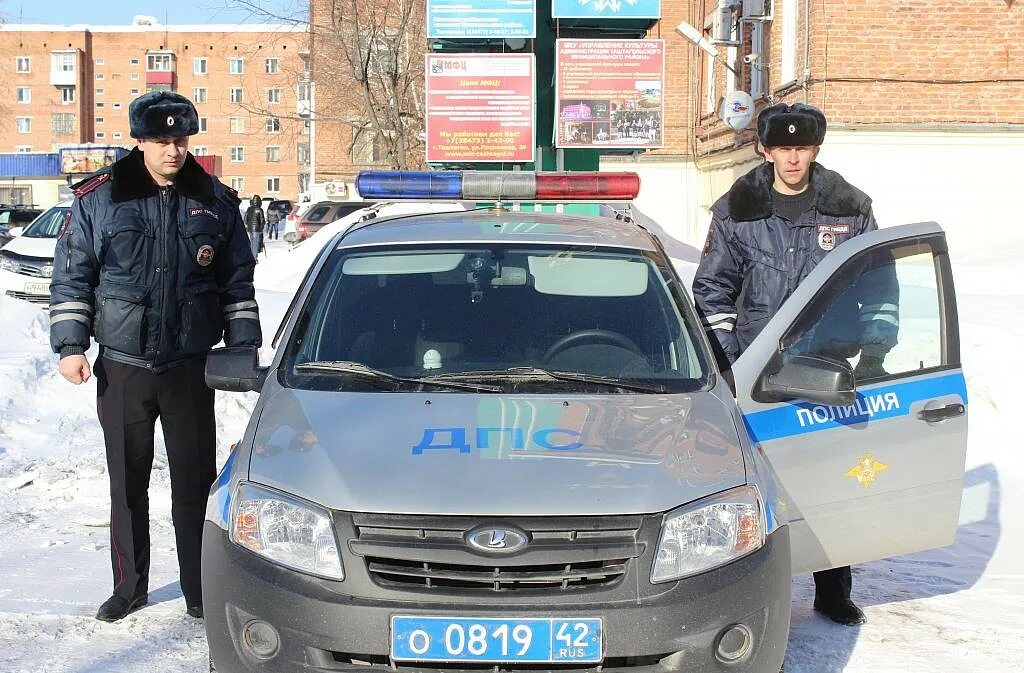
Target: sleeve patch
[710,241]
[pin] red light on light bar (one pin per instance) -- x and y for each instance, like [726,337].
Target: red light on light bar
[590,186]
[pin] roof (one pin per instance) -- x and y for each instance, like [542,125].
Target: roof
[488,226]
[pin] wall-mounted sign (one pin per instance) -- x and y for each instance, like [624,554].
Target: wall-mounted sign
[480,107]
[481,18]
[609,93]
[606,9]
[88,159]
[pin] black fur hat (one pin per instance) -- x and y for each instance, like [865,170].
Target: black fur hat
[162,114]
[785,125]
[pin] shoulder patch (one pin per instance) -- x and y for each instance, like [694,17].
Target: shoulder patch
[82,188]
[232,194]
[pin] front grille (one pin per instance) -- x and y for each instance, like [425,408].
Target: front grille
[34,298]
[26,270]
[431,553]
[28,265]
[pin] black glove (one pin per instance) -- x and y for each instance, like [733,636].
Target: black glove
[869,367]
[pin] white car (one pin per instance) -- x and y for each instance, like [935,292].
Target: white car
[26,262]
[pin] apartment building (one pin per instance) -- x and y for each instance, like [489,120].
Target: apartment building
[69,85]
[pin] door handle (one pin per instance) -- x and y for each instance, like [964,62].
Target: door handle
[942,413]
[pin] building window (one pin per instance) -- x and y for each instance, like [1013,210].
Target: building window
[24,95]
[199,66]
[99,92]
[236,125]
[199,94]
[236,66]
[64,61]
[23,148]
[273,125]
[99,61]
[135,77]
[787,72]
[24,124]
[273,96]
[99,104]
[238,184]
[202,124]
[200,151]
[158,87]
[368,147]
[135,92]
[709,85]
[273,64]
[23,64]
[62,123]
[99,76]
[237,154]
[273,154]
[302,154]
[115,75]
[100,120]
[302,93]
[273,184]
[67,95]
[235,94]
[117,106]
[117,135]
[159,62]
[100,135]
[134,61]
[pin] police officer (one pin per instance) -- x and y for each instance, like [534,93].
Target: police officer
[766,235]
[155,264]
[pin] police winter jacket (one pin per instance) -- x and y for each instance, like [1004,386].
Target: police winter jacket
[754,259]
[157,274]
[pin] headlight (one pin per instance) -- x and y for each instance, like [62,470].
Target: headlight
[286,530]
[709,533]
[8,264]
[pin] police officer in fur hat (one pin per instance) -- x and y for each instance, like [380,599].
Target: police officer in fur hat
[767,233]
[155,265]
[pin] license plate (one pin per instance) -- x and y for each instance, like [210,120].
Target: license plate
[37,288]
[486,640]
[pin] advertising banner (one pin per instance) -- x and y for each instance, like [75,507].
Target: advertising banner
[609,93]
[481,18]
[88,159]
[480,107]
[606,9]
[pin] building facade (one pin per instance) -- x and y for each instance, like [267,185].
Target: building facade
[71,85]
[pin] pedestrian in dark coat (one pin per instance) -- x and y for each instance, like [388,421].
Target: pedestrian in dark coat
[155,265]
[255,223]
[767,233]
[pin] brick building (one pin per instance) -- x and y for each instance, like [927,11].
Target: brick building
[68,85]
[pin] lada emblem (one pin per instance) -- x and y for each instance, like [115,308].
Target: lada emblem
[496,539]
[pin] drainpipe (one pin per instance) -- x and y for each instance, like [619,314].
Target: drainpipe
[807,46]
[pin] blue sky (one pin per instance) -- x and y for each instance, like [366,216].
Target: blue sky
[118,12]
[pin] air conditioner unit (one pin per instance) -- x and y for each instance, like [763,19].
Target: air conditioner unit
[723,21]
[757,10]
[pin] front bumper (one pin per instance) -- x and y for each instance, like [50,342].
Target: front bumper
[35,289]
[324,629]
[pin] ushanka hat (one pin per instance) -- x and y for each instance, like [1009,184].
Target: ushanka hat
[794,125]
[162,114]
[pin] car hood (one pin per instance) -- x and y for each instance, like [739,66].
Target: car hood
[457,453]
[32,247]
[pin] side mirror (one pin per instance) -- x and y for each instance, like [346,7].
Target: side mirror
[235,369]
[807,377]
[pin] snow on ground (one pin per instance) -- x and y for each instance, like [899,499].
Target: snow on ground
[957,609]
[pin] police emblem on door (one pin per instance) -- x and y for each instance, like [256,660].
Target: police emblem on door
[204,256]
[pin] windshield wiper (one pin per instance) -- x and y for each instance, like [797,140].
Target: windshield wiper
[549,374]
[383,379]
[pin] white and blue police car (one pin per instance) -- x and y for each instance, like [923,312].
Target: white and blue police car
[498,440]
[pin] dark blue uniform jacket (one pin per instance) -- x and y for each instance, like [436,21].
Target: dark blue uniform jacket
[754,258]
[157,275]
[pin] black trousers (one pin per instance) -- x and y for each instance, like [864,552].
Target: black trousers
[129,400]
[833,585]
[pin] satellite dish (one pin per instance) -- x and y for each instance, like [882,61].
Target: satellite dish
[737,110]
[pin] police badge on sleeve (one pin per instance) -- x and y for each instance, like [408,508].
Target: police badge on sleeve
[828,235]
[204,256]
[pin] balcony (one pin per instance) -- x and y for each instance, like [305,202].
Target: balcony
[159,77]
[64,67]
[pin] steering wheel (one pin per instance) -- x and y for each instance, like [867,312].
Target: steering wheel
[588,337]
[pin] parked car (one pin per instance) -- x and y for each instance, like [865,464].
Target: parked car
[26,262]
[15,217]
[498,440]
[321,214]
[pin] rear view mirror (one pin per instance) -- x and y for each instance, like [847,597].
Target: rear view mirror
[807,377]
[234,369]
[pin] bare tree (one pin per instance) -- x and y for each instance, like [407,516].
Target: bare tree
[367,63]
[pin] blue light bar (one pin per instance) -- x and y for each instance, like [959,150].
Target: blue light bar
[394,185]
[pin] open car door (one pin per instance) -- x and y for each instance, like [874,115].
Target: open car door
[871,465]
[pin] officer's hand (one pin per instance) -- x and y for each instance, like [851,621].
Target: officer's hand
[869,367]
[75,368]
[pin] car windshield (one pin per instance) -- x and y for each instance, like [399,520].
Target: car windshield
[48,224]
[516,318]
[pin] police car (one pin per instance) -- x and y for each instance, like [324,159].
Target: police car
[497,440]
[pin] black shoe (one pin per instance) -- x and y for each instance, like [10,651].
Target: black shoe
[115,607]
[842,611]
[195,611]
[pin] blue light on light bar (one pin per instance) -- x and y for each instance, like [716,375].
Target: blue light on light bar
[409,184]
